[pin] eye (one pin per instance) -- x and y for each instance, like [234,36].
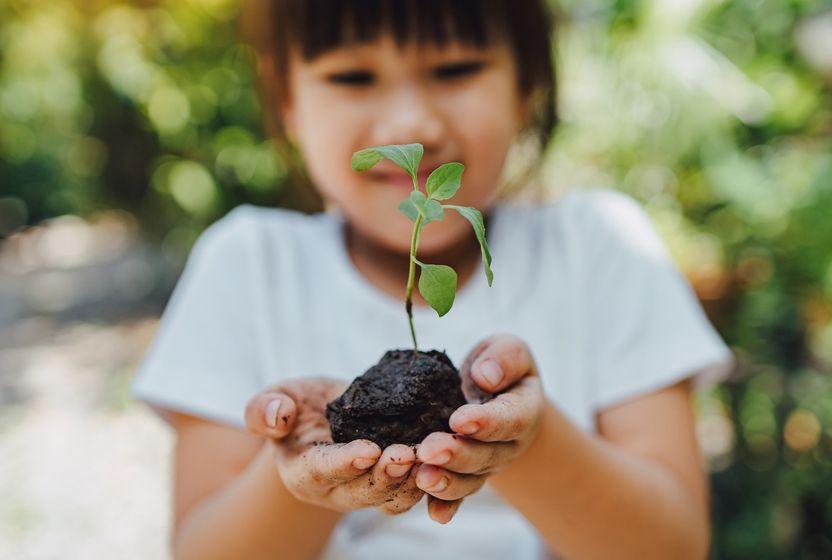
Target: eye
[458,70]
[352,77]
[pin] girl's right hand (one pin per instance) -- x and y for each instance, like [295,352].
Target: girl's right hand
[338,476]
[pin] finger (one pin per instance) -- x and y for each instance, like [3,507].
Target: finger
[469,388]
[336,463]
[442,511]
[464,455]
[270,414]
[405,496]
[392,468]
[506,417]
[447,485]
[504,360]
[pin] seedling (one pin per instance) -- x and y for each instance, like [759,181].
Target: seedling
[410,394]
[437,282]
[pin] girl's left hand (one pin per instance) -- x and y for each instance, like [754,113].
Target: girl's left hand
[488,435]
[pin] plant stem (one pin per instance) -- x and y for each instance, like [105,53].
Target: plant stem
[411,274]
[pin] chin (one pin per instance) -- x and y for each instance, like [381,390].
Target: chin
[436,240]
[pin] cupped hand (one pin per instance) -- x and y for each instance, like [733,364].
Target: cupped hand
[489,432]
[337,476]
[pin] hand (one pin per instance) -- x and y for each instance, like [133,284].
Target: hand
[315,470]
[490,432]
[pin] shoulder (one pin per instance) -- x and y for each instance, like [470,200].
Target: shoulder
[608,219]
[248,218]
[247,227]
[579,201]
[584,212]
[593,224]
[603,203]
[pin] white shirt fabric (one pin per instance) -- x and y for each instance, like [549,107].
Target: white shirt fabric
[270,294]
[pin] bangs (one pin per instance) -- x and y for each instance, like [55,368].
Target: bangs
[317,26]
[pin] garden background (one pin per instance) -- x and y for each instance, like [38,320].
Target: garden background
[126,128]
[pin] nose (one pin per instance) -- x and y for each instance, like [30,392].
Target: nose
[409,115]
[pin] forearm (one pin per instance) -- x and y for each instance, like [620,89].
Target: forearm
[589,499]
[254,517]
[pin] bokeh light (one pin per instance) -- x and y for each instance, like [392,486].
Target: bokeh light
[126,128]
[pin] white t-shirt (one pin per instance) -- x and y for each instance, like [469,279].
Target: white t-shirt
[270,294]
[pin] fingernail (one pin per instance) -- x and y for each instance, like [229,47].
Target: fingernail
[468,428]
[425,482]
[491,372]
[363,463]
[441,485]
[272,409]
[396,471]
[441,458]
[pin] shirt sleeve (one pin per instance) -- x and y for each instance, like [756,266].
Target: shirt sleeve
[204,358]
[647,329]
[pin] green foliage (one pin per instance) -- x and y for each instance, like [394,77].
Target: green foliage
[444,181]
[474,216]
[437,284]
[365,159]
[417,204]
[406,156]
[715,117]
[146,107]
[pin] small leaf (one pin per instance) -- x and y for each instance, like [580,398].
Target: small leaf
[363,160]
[437,284]
[406,156]
[418,198]
[443,182]
[475,217]
[430,210]
[409,209]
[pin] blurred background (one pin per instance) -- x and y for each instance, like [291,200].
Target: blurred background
[127,127]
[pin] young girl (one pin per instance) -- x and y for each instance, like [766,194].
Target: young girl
[589,336]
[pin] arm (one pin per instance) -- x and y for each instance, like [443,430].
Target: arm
[233,504]
[238,497]
[638,491]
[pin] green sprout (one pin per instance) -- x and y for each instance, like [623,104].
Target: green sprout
[437,282]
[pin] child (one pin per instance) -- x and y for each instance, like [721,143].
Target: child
[589,335]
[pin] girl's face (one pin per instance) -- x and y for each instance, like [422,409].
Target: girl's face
[461,102]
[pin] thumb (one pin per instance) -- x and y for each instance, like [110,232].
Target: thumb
[271,414]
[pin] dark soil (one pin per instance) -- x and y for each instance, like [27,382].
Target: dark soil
[401,399]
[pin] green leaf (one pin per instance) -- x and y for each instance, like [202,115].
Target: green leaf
[475,217]
[432,211]
[443,182]
[418,203]
[363,160]
[408,208]
[437,284]
[406,156]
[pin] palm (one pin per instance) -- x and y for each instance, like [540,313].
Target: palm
[311,396]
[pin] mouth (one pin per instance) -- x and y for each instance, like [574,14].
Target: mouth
[401,180]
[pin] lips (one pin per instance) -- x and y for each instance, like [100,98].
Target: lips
[401,179]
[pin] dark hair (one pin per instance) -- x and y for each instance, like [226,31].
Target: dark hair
[316,26]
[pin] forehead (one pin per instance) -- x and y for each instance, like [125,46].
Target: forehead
[316,27]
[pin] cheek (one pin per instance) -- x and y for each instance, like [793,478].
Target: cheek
[484,121]
[327,136]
